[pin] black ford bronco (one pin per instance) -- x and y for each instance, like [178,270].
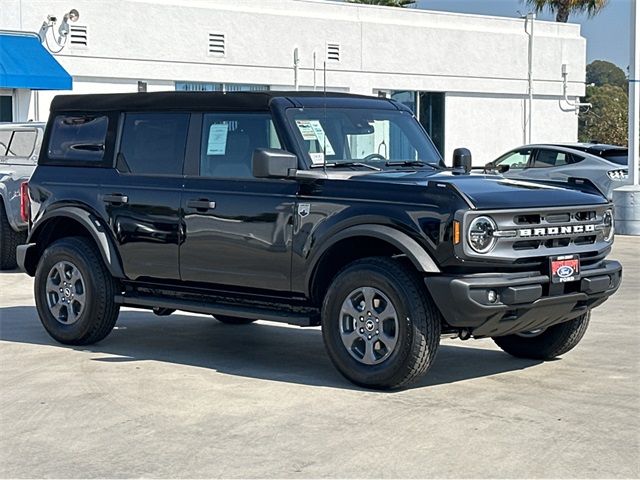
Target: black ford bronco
[311,209]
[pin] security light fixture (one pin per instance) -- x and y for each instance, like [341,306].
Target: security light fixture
[63,30]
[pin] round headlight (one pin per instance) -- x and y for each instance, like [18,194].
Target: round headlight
[480,234]
[607,225]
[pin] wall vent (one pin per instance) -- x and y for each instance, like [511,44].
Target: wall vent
[78,36]
[217,45]
[333,52]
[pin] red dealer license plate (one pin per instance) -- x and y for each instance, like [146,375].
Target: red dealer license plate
[565,268]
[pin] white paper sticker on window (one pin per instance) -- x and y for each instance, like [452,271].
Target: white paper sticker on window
[217,144]
[319,133]
[317,158]
[306,130]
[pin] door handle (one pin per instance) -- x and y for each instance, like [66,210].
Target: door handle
[115,198]
[201,204]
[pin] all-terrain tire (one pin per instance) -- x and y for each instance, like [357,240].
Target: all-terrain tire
[234,320]
[9,241]
[99,313]
[551,343]
[418,326]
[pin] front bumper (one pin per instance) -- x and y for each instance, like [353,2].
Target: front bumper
[525,301]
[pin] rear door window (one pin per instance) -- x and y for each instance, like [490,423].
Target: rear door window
[554,158]
[153,143]
[78,138]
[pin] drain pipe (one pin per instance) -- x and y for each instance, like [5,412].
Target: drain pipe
[528,27]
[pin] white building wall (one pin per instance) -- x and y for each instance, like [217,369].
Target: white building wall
[479,61]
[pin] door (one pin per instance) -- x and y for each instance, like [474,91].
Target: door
[142,195]
[237,228]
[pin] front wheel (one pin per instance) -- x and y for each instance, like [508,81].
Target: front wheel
[379,325]
[547,343]
[75,292]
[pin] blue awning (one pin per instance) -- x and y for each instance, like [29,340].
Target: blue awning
[25,63]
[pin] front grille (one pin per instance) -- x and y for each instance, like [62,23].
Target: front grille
[527,234]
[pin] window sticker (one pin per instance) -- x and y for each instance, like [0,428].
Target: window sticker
[319,133]
[217,144]
[317,158]
[307,132]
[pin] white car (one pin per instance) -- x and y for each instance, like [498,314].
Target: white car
[604,165]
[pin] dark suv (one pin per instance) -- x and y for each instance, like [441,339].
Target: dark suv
[311,209]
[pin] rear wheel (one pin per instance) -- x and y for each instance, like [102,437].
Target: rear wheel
[379,325]
[75,292]
[9,241]
[547,343]
[234,320]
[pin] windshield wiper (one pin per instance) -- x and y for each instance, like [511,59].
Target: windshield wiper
[412,163]
[346,164]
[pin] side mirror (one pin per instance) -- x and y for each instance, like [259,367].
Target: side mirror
[273,163]
[503,168]
[462,159]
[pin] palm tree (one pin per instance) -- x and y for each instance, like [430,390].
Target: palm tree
[564,8]
[385,3]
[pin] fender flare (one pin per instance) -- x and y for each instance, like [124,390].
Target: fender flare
[418,256]
[96,228]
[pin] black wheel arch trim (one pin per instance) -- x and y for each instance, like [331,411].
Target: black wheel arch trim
[92,223]
[418,256]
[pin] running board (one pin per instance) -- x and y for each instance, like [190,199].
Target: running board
[308,318]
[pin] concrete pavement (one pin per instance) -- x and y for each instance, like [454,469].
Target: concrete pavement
[186,396]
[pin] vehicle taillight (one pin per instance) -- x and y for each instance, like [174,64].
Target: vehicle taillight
[24,201]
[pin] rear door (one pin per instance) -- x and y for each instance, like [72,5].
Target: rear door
[551,164]
[237,227]
[142,194]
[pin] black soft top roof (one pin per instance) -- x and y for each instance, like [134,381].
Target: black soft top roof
[208,101]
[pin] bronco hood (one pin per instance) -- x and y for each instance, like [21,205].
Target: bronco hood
[495,191]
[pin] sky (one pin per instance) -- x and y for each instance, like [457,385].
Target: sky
[607,33]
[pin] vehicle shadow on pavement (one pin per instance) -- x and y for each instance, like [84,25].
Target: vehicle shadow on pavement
[270,352]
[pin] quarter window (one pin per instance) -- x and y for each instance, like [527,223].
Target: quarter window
[153,143]
[228,142]
[78,137]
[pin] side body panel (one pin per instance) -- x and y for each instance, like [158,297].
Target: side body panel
[244,239]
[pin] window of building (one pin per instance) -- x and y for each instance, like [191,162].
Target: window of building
[428,108]
[219,87]
[6,108]
[228,142]
[153,143]
[78,137]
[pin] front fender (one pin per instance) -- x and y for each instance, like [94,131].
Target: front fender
[96,227]
[418,256]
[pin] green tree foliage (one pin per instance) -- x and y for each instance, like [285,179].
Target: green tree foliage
[606,121]
[600,72]
[385,3]
[564,8]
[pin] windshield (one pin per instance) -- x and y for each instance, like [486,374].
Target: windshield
[361,135]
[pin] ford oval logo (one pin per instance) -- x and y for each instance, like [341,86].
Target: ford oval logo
[565,271]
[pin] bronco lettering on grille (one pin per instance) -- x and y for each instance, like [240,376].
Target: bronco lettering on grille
[564,230]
